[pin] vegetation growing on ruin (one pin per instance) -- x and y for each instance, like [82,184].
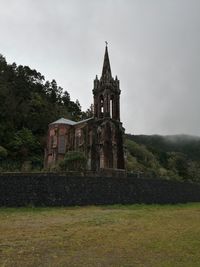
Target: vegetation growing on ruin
[73,161]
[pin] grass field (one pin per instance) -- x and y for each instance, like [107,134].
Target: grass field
[131,235]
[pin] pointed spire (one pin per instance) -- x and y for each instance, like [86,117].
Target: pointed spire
[106,64]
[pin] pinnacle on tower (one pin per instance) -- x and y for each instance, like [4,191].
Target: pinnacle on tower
[106,65]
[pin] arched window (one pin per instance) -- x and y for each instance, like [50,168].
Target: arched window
[111,106]
[101,105]
[61,144]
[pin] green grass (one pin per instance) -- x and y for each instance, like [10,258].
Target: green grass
[119,235]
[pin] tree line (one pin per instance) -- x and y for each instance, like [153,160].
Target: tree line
[28,103]
[171,157]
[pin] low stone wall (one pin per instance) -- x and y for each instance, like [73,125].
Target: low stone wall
[50,189]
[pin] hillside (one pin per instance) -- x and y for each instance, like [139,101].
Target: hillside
[28,103]
[173,156]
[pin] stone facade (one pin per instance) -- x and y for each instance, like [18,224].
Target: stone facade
[100,138]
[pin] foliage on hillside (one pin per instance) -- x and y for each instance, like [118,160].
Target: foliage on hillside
[28,103]
[172,157]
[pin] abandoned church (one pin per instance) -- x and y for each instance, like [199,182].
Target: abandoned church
[100,137]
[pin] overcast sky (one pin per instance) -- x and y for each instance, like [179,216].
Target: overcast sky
[154,48]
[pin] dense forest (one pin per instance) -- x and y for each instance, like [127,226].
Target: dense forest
[28,103]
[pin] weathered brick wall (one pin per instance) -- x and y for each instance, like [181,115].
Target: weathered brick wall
[60,190]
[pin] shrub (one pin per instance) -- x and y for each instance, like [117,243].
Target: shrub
[3,153]
[73,161]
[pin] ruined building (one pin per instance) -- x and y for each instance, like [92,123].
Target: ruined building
[100,138]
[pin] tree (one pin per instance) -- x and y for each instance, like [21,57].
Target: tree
[25,145]
[88,113]
[177,162]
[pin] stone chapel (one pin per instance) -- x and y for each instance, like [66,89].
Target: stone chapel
[100,137]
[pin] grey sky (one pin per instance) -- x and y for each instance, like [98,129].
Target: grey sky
[153,46]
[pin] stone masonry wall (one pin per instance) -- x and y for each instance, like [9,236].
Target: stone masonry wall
[60,190]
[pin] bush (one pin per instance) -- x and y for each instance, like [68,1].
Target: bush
[73,161]
[3,153]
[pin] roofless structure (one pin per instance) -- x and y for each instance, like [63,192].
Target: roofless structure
[100,138]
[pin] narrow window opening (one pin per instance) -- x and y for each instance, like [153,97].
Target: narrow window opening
[111,107]
[101,106]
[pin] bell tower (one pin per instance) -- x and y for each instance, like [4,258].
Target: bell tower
[109,131]
[106,93]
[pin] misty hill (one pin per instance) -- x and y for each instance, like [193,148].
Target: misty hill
[173,156]
[187,144]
